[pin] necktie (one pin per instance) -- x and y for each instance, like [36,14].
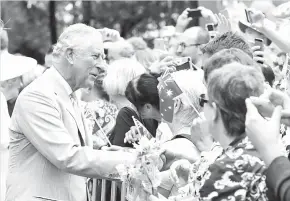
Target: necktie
[78,116]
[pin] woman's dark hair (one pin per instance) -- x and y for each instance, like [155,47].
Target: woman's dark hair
[142,90]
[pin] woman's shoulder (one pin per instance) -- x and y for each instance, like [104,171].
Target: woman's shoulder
[126,111]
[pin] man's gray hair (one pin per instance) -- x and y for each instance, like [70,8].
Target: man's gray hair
[229,87]
[119,74]
[76,37]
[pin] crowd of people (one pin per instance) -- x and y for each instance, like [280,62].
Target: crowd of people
[222,126]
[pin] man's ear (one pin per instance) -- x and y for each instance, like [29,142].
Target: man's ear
[69,55]
[177,105]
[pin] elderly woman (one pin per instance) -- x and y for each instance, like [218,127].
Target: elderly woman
[144,95]
[119,74]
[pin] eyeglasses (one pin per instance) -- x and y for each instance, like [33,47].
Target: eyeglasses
[202,100]
[183,45]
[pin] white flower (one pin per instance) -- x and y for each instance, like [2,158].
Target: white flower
[101,112]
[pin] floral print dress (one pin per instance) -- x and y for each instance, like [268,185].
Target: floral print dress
[234,174]
[100,117]
[237,174]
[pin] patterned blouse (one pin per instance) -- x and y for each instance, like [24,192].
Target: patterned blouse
[238,174]
[99,114]
[234,174]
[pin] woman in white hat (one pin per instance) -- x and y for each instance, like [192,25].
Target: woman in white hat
[11,70]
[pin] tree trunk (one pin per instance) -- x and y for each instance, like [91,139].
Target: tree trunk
[87,16]
[52,22]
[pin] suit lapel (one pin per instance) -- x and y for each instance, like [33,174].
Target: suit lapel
[78,119]
[88,136]
[62,94]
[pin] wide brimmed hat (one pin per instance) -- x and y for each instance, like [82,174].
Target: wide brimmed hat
[243,25]
[12,66]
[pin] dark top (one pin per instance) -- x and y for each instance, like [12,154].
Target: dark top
[182,136]
[278,178]
[124,122]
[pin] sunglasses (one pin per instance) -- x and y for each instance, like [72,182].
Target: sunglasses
[202,100]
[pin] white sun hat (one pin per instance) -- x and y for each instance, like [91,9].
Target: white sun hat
[12,66]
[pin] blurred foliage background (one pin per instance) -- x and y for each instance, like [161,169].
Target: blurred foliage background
[35,25]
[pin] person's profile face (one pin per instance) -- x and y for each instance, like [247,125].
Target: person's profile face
[88,65]
[148,111]
[187,47]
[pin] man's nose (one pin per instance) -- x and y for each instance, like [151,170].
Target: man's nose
[102,67]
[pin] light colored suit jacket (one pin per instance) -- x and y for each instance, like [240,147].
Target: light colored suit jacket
[47,161]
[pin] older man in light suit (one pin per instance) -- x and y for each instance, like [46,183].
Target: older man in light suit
[50,151]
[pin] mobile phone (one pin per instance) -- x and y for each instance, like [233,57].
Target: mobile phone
[225,12]
[259,42]
[194,13]
[209,27]
[183,63]
[248,16]
[159,43]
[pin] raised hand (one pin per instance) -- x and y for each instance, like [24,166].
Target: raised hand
[258,55]
[208,14]
[224,25]
[132,135]
[258,19]
[110,34]
[200,134]
[262,132]
[269,100]
[182,21]
[167,63]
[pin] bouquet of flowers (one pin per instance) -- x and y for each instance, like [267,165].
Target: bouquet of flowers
[142,178]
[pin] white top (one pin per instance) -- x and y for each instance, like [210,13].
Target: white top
[12,66]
